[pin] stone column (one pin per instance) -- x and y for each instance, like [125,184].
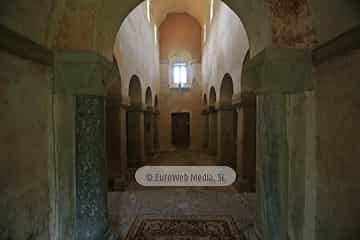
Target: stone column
[136,144]
[113,144]
[123,181]
[79,116]
[226,135]
[156,131]
[212,146]
[285,142]
[205,116]
[149,132]
[246,141]
[117,142]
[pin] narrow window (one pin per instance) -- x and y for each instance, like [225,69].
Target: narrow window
[180,74]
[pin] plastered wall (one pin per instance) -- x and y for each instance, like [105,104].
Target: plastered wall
[175,100]
[137,53]
[180,31]
[225,49]
[25,126]
[338,188]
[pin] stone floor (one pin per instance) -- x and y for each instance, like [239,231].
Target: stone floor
[136,201]
[182,157]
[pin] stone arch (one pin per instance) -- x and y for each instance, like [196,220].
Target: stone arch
[135,92]
[156,102]
[205,100]
[226,90]
[148,97]
[212,99]
[256,22]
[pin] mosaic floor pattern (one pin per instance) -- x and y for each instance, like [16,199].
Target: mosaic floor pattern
[184,228]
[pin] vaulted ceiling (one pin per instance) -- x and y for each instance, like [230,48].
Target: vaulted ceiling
[199,9]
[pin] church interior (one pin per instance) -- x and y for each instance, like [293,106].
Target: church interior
[92,91]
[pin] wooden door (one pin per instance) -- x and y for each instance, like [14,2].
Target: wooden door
[180,129]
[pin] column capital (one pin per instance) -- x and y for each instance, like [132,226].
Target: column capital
[117,102]
[205,111]
[82,73]
[139,107]
[212,109]
[225,107]
[279,70]
[149,109]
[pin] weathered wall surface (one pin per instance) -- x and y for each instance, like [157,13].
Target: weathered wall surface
[338,189]
[225,49]
[185,100]
[180,31]
[332,18]
[25,126]
[33,21]
[137,52]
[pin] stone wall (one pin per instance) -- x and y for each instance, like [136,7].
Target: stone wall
[338,102]
[26,151]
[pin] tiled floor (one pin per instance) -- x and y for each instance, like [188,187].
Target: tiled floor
[125,207]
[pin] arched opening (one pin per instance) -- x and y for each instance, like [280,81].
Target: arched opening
[135,125]
[116,161]
[213,126]
[212,95]
[226,131]
[295,130]
[149,125]
[205,116]
[148,97]
[156,125]
[135,91]
[246,141]
[205,101]
[226,90]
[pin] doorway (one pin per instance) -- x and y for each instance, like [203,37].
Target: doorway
[180,123]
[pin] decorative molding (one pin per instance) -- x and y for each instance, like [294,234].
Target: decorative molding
[23,47]
[340,45]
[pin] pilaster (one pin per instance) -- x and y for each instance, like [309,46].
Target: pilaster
[226,134]
[79,110]
[284,85]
